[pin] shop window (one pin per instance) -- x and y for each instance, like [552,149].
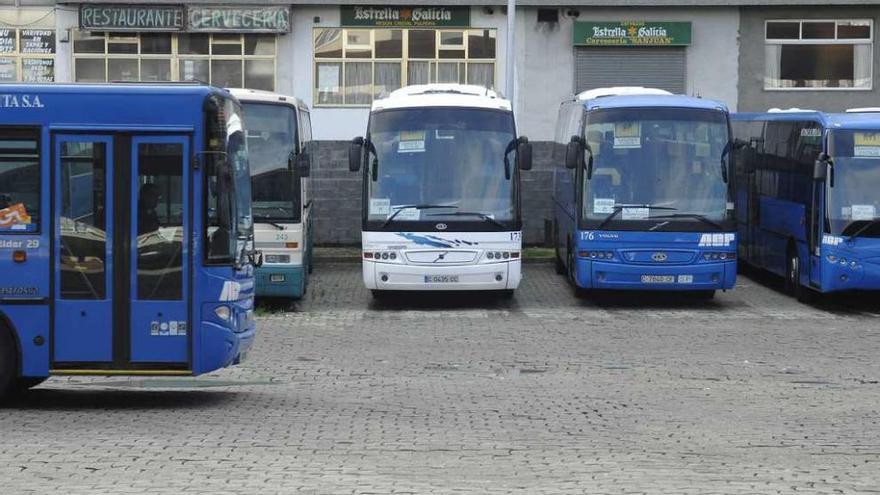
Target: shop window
[355,66]
[27,54]
[818,55]
[225,60]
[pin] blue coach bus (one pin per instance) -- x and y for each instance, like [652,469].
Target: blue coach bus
[125,232]
[644,200]
[808,207]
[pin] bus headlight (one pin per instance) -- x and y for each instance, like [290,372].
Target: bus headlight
[495,256]
[223,312]
[384,256]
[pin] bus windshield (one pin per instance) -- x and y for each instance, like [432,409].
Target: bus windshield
[446,164]
[656,162]
[853,202]
[271,136]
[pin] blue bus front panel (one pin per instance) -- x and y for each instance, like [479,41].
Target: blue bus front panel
[655,261]
[848,264]
[223,342]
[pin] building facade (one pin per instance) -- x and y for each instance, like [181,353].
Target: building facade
[750,54]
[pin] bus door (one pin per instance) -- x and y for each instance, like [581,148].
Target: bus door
[122,220]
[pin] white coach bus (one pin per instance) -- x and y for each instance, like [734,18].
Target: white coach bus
[441,195]
[279,136]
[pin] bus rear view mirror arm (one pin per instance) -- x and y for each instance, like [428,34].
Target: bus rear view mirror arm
[356,154]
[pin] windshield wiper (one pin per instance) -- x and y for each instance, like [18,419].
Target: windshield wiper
[619,208]
[470,214]
[864,228]
[696,216]
[265,219]
[398,209]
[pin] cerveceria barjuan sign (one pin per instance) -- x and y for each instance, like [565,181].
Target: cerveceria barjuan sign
[397,16]
[100,17]
[632,33]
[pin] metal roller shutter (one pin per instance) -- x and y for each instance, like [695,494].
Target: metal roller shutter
[653,67]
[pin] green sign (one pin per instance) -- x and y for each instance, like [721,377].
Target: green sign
[131,17]
[239,19]
[397,16]
[632,33]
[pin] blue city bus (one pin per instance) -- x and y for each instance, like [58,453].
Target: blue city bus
[808,207]
[126,241]
[643,201]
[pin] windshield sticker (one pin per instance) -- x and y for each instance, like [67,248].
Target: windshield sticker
[408,214]
[636,213]
[812,132]
[866,145]
[411,142]
[15,217]
[627,135]
[603,205]
[863,212]
[380,206]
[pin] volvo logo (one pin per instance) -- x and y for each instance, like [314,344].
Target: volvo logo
[659,257]
[441,257]
[440,226]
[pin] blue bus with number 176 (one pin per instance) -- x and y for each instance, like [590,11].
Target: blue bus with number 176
[644,200]
[126,243]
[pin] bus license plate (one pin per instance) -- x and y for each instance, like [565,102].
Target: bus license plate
[441,279]
[658,279]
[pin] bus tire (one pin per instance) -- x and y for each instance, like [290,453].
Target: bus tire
[8,364]
[378,295]
[506,294]
[793,279]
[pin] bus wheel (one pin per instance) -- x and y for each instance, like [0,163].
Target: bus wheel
[506,294]
[7,364]
[793,279]
[378,295]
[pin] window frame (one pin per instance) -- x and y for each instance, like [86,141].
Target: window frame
[175,57]
[869,41]
[404,60]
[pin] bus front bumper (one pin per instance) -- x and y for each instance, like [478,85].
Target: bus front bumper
[485,276]
[280,281]
[620,276]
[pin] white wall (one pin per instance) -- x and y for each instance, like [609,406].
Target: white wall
[547,59]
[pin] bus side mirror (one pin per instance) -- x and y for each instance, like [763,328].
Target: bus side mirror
[257,259]
[573,153]
[303,164]
[524,153]
[355,154]
[820,169]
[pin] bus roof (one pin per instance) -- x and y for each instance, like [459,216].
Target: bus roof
[652,100]
[106,106]
[443,95]
[258,95]
[849,120]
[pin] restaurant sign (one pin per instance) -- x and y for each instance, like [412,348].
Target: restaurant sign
[397,16]
[131,17]
[632,33]
[178,18]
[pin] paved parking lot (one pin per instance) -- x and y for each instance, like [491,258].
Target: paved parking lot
[749,393]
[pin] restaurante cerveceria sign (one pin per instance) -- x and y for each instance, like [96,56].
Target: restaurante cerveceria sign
[396,16]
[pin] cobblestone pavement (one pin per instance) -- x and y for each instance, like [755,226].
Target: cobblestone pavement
[749,393]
